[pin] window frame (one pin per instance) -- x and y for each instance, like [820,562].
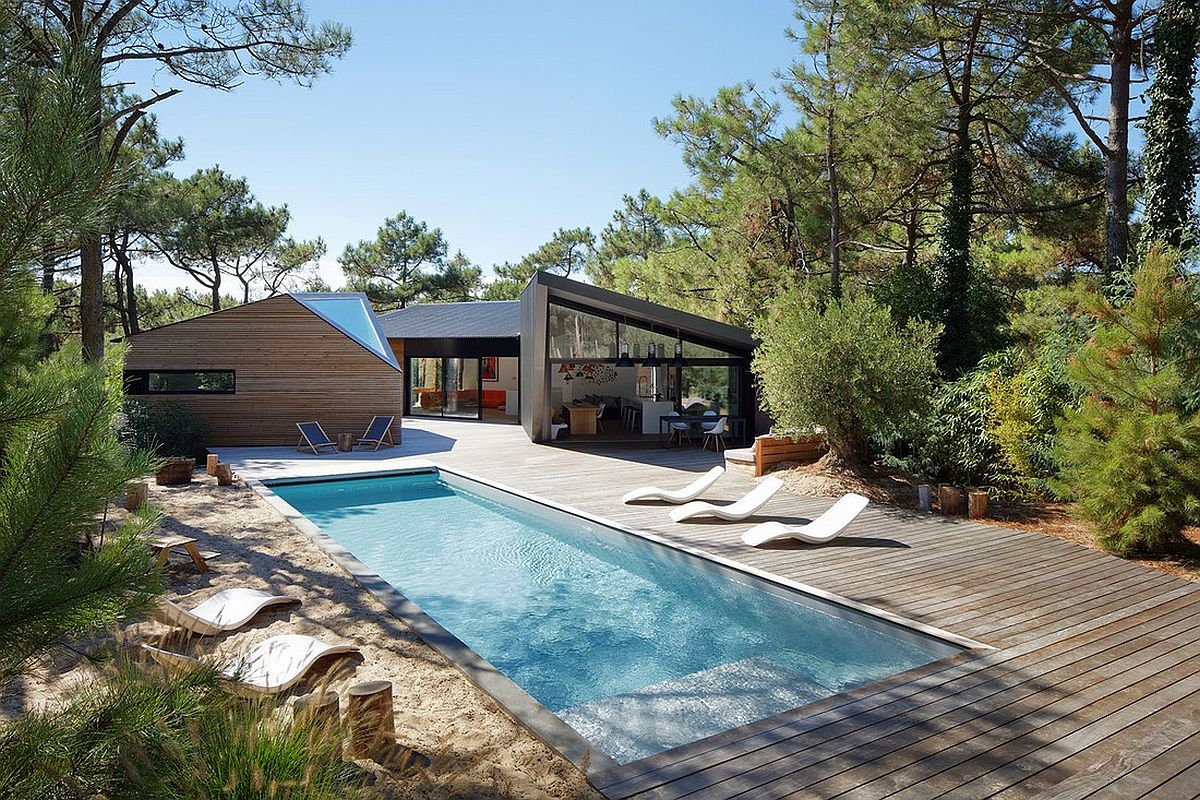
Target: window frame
[137,382]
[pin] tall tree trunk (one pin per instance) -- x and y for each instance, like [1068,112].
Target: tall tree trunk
[952,276]
[1116,173]
[91,261]
[1172,154]
[835,208]
[131,303]
[118,288]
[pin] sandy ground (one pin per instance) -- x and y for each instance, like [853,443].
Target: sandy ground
[478,751]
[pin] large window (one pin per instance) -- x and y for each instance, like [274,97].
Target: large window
[176,381]
[574,334]
[715,387]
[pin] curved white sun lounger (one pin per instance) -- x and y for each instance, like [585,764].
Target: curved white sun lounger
[745,507]
[225,611]
[824,528]
[689,492]
[268,667]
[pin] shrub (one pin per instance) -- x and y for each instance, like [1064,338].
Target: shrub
[163,426]
[850,369]
[138,734]
[1131,452]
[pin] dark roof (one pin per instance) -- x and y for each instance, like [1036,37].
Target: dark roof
[638,311]
[484,319]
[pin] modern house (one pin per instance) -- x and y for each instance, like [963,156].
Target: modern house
[253,371]
[566,356]
[563,349]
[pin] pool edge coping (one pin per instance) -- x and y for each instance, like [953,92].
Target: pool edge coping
[512,699]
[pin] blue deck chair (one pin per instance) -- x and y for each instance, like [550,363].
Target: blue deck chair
[379,432]
[313,437]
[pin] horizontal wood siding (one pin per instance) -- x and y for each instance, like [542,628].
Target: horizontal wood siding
[290,366]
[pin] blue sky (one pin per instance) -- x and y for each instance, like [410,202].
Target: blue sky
[497,122]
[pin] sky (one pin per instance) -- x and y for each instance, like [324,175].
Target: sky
[497,122]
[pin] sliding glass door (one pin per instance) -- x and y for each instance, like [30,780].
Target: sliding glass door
[444,387]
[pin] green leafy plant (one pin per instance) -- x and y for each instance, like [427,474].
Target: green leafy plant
[1130,452]
[849,369]
[162,426]
[140,734]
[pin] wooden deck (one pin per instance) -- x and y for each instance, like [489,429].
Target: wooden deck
[1090,692]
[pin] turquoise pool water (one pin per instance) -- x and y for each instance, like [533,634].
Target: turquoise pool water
[635,645]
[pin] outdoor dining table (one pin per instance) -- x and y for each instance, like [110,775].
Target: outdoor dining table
[737,425]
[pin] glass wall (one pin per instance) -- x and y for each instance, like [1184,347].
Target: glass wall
[574,334]
[444,387]
[462,388]
[715,387]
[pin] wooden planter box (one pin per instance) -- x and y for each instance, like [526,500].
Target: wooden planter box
[175,472]
[770,450]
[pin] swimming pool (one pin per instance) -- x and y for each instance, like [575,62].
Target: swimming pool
[635,645]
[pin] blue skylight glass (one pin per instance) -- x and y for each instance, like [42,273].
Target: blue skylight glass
[350,314]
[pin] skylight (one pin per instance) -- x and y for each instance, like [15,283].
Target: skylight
[351,315]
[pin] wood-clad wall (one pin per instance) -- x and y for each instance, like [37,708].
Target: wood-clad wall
[290,366]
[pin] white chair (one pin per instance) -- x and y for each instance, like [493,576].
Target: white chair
[689,492]
[824,528]
[269,667]
[747,506]
[678,429]
[556,428]
[225,611]
[715,433]
[599,415]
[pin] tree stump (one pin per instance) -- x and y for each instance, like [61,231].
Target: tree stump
[949,499]
[925,498]
[977,503]
[371,720]
[322,708]
[137,496]
[213,461]
[224,475]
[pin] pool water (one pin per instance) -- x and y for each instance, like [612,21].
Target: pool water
[637,646]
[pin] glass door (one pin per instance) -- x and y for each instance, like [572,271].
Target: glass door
[426,382]
[444,387]
[462,395]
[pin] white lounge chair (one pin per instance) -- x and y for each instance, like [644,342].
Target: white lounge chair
[824,528]
[269,667]
[225,611]
[747,506]
[689,492]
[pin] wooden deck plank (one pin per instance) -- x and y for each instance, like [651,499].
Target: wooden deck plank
[1140,779]
[1089,658]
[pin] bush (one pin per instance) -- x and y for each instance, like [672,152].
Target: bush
[849,370]
[138,734]
[1131,452]
[163,426]
[993,427]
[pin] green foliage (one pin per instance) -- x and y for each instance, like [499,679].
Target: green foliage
[565,254]
[162,426]
[1131,453]
[60,465]
[993,427]
[213,226]
[849,370]
[138,734]
[1172,156]
[406,263]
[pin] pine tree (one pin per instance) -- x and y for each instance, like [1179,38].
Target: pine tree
[1172,155]
[1130,453]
